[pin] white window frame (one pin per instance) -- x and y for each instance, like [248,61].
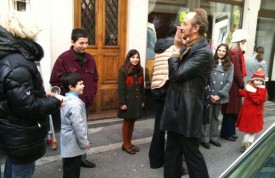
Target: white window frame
[13,5]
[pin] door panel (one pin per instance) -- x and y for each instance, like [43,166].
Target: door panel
[105,21]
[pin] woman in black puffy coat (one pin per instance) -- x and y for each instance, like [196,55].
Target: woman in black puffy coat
[24,105]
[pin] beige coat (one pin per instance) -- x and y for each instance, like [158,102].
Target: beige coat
[160,71]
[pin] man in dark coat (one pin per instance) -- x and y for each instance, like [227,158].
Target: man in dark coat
[189,69]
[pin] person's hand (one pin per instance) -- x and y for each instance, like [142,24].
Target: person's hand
[123,107]
[179,39]
[50,94]
[88,146]
[214,98]
[260,86]
[61,99]
[142,104]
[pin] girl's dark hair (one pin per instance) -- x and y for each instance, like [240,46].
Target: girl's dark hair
[225,61]
[78,33]
[128,67]
[70,79]
[260,55]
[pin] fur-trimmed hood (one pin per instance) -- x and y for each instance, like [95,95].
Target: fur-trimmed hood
[250,88]
[28,48]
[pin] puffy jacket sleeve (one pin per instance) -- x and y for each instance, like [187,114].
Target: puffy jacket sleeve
[26,101]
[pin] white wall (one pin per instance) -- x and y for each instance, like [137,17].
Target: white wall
[137,26]
[55,37]
[57,23]
[251,9]
[55,17]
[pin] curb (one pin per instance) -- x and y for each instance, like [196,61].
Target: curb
[99,149]
[101,123]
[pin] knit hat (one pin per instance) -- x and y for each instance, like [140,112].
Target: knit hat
[239,35]
[258,75]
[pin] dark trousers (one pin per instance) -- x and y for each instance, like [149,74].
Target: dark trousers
[175,146]
[71,167]
[156,152]
[228,125]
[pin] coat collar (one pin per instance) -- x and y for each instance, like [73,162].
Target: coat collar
[250,88]
[199,44]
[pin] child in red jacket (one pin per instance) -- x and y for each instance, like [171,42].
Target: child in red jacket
[251,117]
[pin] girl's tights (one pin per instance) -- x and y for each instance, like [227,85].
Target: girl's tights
[127,132]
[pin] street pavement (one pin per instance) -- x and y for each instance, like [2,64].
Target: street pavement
[112,162]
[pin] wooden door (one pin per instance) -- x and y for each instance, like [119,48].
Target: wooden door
[106,23]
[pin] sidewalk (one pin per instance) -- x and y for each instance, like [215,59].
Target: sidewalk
[111,161]
[106,135]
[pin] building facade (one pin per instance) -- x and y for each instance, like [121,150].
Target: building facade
[116,26]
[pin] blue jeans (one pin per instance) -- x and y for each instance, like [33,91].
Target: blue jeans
[18,170]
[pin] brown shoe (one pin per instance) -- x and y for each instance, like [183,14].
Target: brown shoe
[136,149]
[129,150]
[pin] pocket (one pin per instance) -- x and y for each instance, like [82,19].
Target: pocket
[27,153]
[26,143]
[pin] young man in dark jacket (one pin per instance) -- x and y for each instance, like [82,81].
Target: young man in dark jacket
[77,60]
[24,105]
[189,69]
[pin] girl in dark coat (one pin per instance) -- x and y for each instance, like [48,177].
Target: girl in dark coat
[131,97]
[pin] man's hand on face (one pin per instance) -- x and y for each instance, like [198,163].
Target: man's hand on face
[179,39]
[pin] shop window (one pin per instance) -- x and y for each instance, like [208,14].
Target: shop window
[224,16]
[267,4]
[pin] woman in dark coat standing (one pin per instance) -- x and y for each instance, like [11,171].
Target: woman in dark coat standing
[231,110]
[24,104]
[131,97]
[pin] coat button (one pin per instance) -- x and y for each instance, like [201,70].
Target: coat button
[222,73]
[221,83]
[214,81]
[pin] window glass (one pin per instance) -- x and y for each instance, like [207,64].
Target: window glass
[111,23]
[259,162]
[88,17]
[265,36]
[268,4]
[20,5]
[223,18]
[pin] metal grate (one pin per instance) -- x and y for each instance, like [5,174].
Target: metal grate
[88,19]
[111,23]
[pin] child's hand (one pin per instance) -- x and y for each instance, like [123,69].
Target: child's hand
[123,107]
[88,146]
